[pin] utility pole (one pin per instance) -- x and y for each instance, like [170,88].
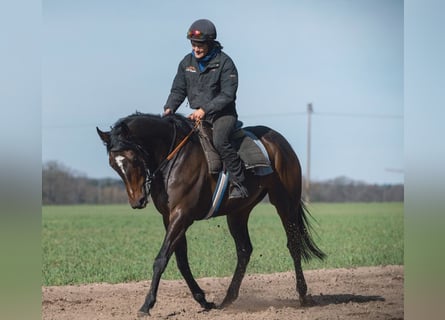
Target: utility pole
[310,110]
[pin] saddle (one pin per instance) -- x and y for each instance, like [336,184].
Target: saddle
[250,149]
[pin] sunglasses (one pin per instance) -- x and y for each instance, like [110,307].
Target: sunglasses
[196,34]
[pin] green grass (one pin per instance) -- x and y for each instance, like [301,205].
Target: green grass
[84,244]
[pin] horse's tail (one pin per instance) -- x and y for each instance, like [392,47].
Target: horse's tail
[288,169]
[308,247]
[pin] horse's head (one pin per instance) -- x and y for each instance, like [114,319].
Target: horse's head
[128,161]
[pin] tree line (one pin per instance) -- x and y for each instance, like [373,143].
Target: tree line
[62,185]
[343,189]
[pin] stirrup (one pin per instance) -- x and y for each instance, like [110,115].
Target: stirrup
[238,191]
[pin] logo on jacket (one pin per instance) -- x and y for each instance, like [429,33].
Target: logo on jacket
[190,69]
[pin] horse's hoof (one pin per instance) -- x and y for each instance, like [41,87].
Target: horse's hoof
[142,313]
[224,305]
[307,301]
[208,306]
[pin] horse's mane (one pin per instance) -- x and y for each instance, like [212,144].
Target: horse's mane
[178,120]
[181,123]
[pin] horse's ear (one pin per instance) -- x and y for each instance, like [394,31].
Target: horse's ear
[104,136]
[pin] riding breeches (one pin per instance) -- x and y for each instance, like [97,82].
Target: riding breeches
[222,129]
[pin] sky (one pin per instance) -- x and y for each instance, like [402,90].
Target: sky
[104,60]
[68,66]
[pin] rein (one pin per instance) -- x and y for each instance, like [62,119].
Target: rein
[150,176]
[181,144]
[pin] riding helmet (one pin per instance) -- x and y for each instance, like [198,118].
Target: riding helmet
[202,30]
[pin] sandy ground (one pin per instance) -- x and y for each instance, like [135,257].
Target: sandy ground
[359,293]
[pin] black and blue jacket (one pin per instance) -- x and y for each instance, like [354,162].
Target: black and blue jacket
[213,89]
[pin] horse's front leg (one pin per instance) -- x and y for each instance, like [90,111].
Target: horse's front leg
[175,231]
[184,268]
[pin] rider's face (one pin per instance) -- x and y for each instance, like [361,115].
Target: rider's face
[200,49]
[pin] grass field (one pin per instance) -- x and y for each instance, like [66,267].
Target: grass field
[84,244]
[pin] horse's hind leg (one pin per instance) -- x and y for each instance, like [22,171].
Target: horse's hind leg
[294,245]
[237,223]
[184,268]
[287,211]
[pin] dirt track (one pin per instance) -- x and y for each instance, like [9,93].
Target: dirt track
[359,293]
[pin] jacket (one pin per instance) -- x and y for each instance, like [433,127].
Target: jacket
[213,89]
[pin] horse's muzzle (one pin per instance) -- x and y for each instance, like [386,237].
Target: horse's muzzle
[140,203]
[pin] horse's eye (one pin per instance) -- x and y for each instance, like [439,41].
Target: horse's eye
[136,161]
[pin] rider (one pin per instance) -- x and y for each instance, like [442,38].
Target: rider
[208,78]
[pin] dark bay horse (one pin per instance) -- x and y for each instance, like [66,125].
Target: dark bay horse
[140,150]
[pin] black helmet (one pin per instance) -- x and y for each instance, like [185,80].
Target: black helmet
[202,30]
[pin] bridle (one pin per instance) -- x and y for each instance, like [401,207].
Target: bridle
[149,176]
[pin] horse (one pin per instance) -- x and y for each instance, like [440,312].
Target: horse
[162,157]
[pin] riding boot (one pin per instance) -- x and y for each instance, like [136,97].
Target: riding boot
[222,128]
[238,191]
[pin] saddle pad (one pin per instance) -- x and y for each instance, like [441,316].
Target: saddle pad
[250,149]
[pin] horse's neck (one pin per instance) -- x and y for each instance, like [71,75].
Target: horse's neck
[172,139]
[155,138]
[160,138]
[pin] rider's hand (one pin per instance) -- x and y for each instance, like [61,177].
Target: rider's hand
[198,114]
[167,112]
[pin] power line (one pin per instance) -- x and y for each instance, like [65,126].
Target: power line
[264,115]
[326,114]
[268,115]
[75,126]
[358,115]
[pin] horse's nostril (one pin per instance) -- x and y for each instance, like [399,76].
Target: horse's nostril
[139,203]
